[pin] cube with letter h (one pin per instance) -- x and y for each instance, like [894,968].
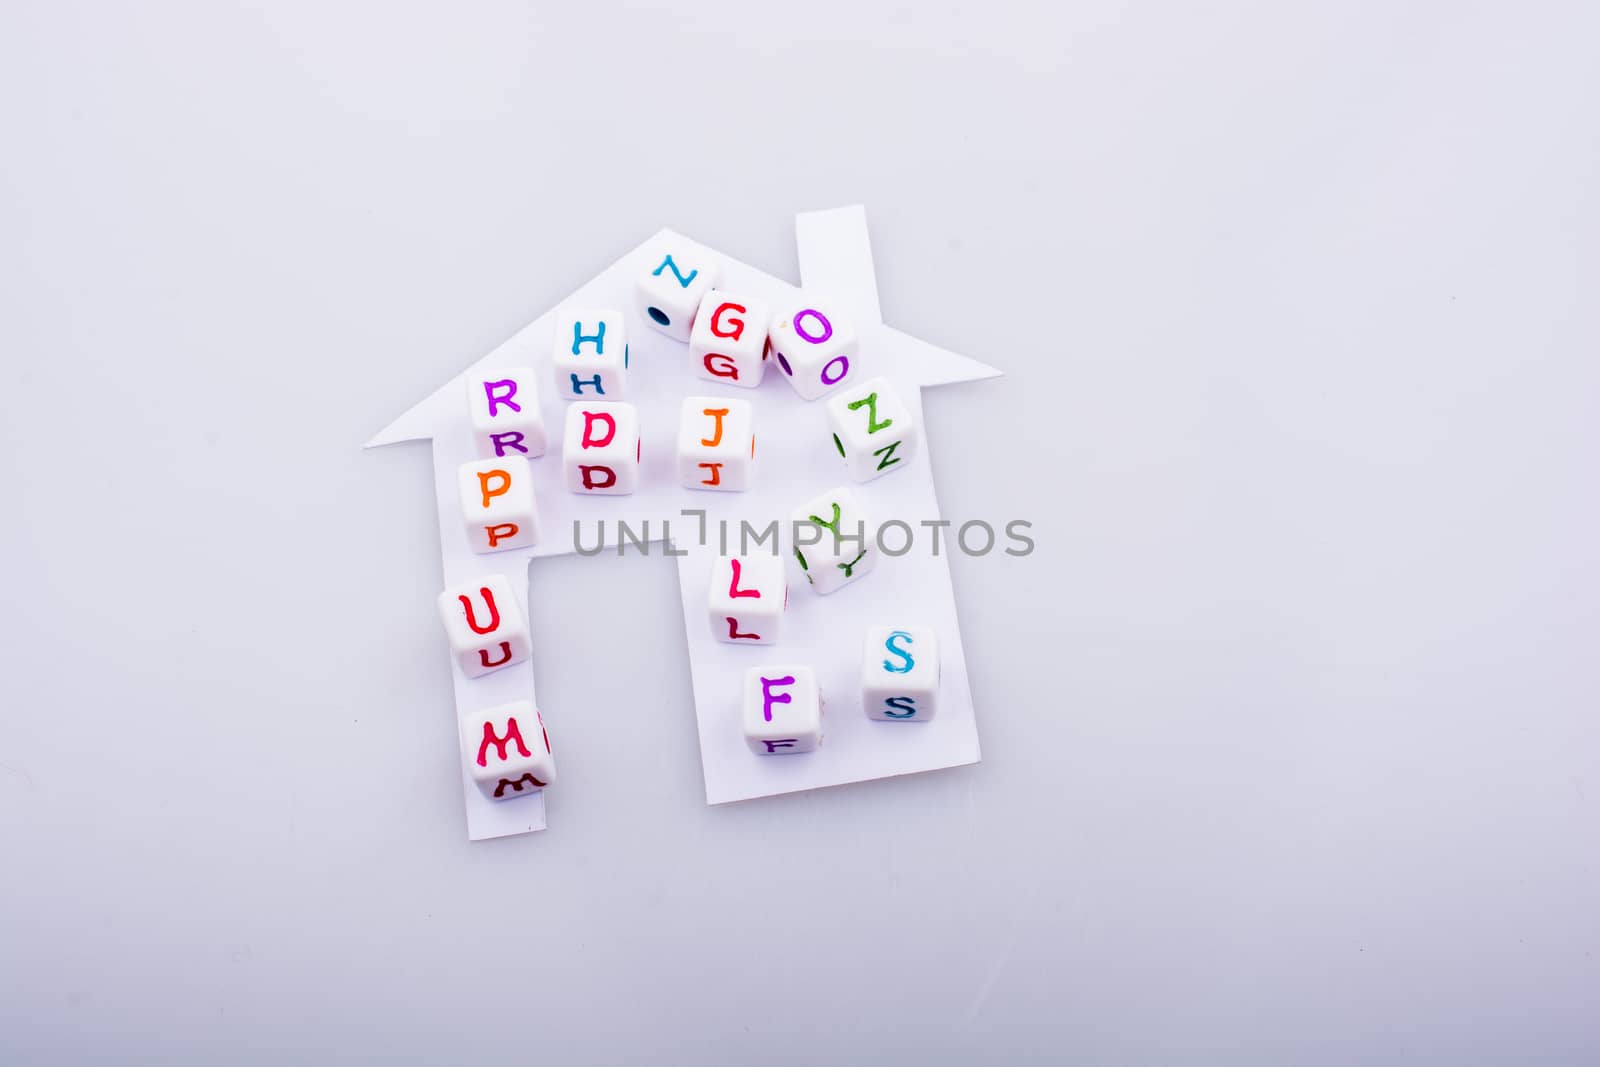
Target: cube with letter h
[782,710]
[590,355]
[504,410]
[900,674]
[748,597]
[671,288]
[600,449]
[716,443]
[814,349]
[873,432]
[484,621]
[833,541]
[729,341]
[507,750]
[497,502]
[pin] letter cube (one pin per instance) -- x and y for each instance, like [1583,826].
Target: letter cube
[873,432]
[833,540]
[729,341]
[782,710]
[748,598]
[600,449]
[484,622]
[504,409]
[590,355]
[508,750]
[816,351]
[671,287]
[716,443]
[900,674]
[497,500]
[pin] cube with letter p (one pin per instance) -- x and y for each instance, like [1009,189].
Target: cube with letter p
[497,501]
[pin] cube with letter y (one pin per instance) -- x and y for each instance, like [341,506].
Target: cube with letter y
[900,674]
[833,541]
[497,502]
[782,710]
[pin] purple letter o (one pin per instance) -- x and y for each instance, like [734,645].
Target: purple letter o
[844,368]
[827,327]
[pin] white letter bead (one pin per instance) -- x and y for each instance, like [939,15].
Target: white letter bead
[483,620]
[729,341]
[748,598]
[504,408]
[600,449]
[590,355]
[815,350]
[900,674]
[716,443]
[671,287]
[833,540]
[508,750]
[497,500]
[872,431]
[782,710]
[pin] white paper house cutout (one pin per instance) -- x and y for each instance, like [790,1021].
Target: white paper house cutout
[795,461]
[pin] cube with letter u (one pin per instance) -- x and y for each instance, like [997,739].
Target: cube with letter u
[484,621]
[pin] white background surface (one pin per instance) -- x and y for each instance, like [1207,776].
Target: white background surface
[1289,726]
